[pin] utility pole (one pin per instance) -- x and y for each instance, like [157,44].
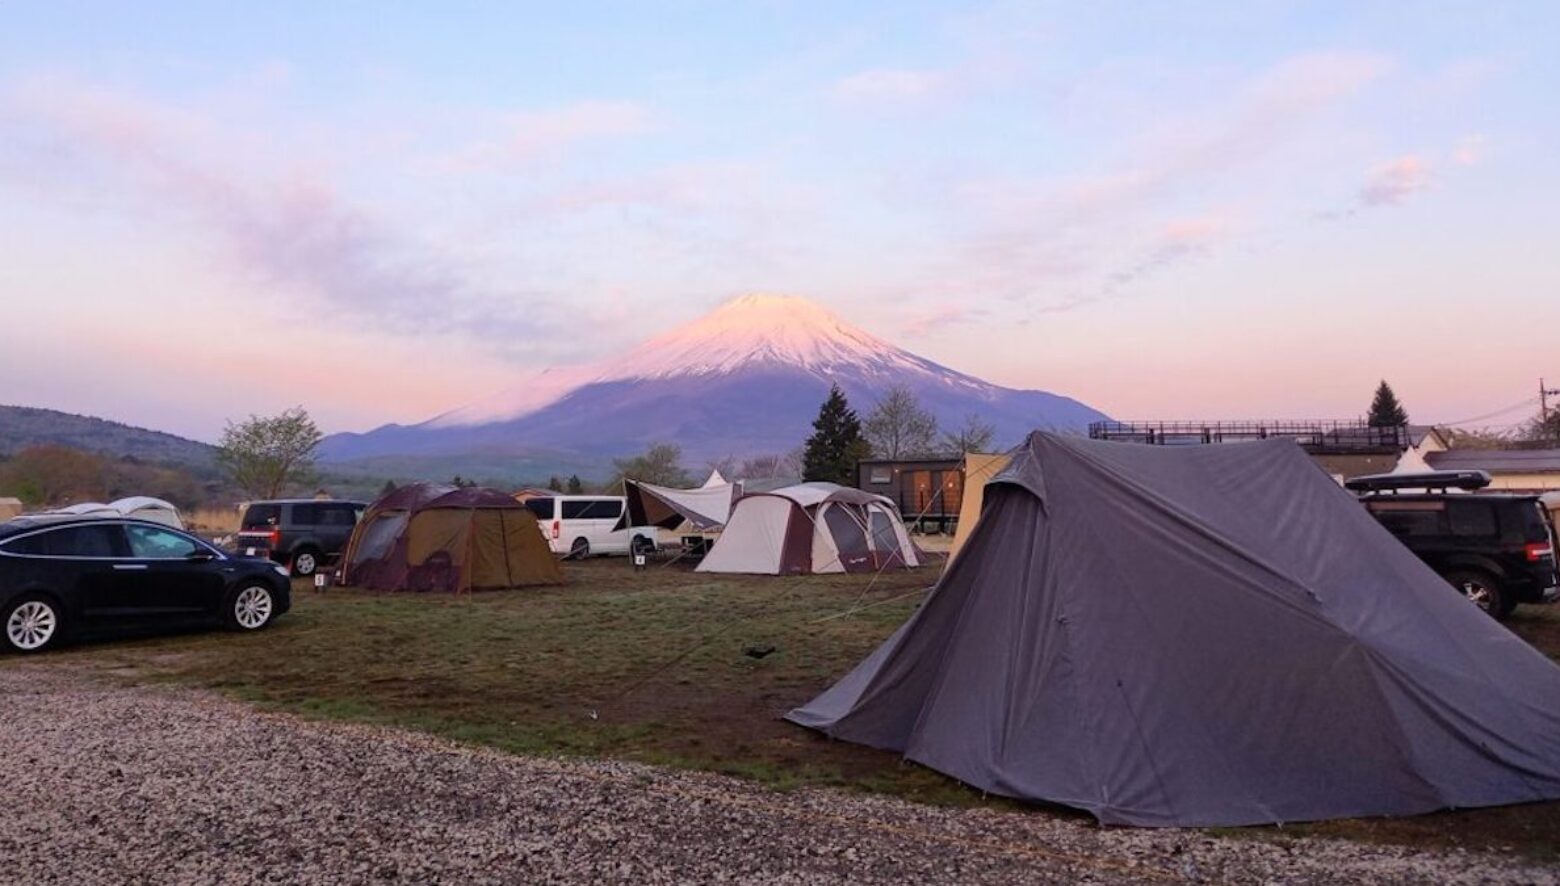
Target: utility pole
[1543,400]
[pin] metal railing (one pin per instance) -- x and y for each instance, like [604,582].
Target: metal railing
[1317,436]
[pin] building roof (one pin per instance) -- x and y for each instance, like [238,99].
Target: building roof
[1518,461]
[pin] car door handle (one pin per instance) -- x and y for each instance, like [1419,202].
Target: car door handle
[129,566]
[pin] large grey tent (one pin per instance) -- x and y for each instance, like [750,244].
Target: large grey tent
[1204,635]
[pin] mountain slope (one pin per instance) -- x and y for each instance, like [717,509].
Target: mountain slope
[24,426]
[743,380]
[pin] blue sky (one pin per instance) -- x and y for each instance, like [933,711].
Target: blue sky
[1166,210]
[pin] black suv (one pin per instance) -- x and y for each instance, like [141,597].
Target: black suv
[304,533]
[1498,549]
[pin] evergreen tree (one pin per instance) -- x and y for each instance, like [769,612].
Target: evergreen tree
[386,489]
[836,444]
[554,484]
[575,486]
[1385,410]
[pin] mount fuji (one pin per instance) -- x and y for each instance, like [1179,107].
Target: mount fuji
[745,379]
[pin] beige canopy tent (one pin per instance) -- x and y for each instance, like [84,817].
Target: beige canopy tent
[704,509]
[978,469]
[10,507]
[811,527]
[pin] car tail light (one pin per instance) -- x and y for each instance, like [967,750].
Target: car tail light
[557,529]
[276,538]
[1538,550]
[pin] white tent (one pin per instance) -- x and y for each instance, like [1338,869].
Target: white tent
[143,507]
[140,507]
[811,527]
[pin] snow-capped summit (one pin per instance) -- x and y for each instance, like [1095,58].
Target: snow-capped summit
[780,329]
[745,379]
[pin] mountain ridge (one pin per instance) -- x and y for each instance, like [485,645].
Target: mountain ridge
[745,379]
[25,426]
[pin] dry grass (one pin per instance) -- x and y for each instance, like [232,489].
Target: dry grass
[212,521]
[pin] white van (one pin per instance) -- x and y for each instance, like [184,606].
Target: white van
[582,525]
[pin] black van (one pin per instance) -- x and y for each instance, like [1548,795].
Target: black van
[303,533]
[1498,549]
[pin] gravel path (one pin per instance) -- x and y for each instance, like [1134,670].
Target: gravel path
[117,785]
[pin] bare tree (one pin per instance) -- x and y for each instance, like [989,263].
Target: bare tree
[975,436]
[264,455]
[898,427]
[661,465]
[726,466]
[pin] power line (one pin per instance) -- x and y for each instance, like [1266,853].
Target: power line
[1531,401]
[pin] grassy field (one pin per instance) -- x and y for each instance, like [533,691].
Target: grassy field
[649,666]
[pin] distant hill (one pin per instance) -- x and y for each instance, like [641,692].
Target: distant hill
[24,426]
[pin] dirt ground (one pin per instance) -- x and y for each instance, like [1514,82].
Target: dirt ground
[662,666]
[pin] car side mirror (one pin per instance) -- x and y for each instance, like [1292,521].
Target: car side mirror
[200,555]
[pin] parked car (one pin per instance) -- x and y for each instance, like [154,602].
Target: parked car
[76,577]
[303,534]
[582,525]
[1498,549]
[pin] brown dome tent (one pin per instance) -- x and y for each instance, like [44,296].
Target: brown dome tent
[446,538]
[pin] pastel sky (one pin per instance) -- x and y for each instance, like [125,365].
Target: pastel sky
[381,211]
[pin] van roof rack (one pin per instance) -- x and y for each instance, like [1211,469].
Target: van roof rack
[1434,480]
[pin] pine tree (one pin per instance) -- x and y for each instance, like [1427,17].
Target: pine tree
[836,444]
[554,484]
[575,486]
[386,489]
[1385,410]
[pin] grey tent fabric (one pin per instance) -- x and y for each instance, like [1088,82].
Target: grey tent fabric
[1208,635]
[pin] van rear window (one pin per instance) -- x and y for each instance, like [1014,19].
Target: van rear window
[262,516]
[541,507]
[592,509]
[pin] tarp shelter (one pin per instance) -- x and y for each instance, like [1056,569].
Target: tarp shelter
[10,507]
[811,527]
[1201,635]
[978,469]
[446,538]
[704,509]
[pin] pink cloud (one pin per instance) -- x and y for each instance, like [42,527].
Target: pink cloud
[1469,150]
[530,134]
[288,229]
[1394,181]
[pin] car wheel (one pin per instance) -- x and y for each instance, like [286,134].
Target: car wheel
[642,545]
[31,624]
[250,608]
[580,549]
[305,562]
[1481,590]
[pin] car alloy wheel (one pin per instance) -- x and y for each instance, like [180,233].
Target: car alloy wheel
[31,625]
[304,564]
[252,607]
[1477,593]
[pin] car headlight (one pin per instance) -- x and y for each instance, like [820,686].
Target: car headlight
[281,570]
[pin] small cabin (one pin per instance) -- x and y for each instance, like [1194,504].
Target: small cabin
[928,491]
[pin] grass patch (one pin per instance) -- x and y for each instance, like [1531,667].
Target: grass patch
[649,666]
